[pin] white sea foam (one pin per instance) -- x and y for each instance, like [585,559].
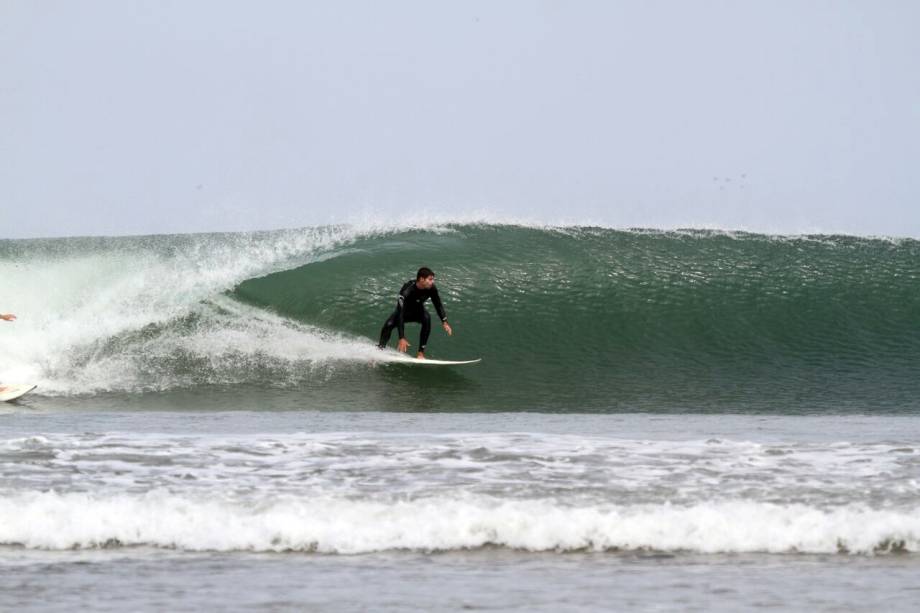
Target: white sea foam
[340,492]
[48,520]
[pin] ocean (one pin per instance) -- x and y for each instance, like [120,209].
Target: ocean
[662,420]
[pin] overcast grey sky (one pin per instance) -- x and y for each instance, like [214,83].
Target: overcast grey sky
[126,117]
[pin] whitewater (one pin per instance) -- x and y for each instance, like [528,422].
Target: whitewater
[365,492]
[680,419]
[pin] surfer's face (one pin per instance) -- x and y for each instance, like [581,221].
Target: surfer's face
[425,282]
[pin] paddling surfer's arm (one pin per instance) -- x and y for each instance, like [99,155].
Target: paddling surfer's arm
[7,316]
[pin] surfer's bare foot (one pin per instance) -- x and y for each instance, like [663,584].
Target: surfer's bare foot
[420,356]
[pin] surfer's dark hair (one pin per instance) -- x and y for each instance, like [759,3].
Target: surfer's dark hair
[423,273]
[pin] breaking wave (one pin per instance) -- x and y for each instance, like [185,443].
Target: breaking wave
[565,318]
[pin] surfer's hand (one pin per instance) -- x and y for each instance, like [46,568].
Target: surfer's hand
[448,329]
[7,316]
[403,345]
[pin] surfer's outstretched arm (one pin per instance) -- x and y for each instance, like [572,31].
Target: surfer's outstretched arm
[436,301]
[7,316]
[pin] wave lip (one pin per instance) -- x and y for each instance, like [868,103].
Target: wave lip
[54,521]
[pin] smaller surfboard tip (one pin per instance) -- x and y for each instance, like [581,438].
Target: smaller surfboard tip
[14,391]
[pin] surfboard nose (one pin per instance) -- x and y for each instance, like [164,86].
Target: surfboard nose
[12,391]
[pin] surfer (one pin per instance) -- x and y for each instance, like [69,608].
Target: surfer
[410,306]
[6,317]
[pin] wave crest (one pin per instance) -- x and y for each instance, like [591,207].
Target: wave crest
[341,526]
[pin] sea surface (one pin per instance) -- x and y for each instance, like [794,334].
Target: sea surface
[662,420]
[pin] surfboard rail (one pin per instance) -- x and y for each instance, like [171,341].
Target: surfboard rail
[404,359]
[12,391]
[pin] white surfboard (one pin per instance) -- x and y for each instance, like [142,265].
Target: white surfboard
[404,359]
[12,391]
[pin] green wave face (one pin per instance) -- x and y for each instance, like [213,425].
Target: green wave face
[596,319]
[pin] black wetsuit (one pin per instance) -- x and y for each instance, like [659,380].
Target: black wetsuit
[410,306]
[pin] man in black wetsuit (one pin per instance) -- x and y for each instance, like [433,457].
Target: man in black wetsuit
[6,317]
[410,306]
